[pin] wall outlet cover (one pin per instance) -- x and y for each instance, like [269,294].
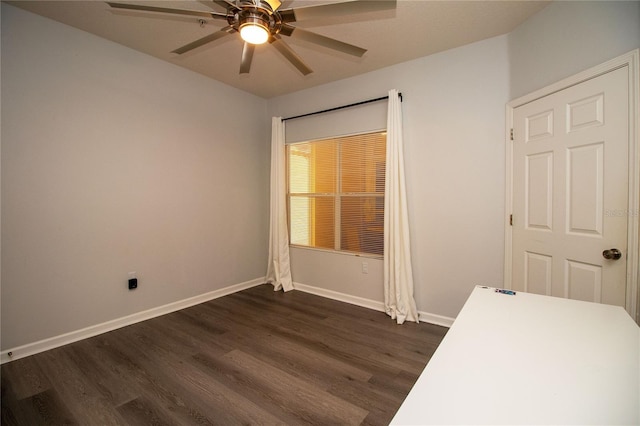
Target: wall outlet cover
[133,283]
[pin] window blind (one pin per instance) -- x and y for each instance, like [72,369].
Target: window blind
[336,193]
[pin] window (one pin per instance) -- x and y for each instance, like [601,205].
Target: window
[335,193]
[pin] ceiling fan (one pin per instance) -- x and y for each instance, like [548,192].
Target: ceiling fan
[261,21]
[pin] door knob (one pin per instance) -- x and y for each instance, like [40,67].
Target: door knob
[612,254]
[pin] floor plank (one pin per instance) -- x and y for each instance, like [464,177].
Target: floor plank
[253,357]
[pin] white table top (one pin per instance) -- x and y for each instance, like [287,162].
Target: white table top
[530,359]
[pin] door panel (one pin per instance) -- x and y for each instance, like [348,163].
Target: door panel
[570,172]
[585,189]
[583,281]
[537,273]
[539,188]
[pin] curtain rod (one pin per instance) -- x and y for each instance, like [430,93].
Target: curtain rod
[341,107]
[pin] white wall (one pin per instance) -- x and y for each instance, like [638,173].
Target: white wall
[114,161]
[568,37]
[454,150]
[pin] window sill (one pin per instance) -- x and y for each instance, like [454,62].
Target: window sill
[345,253]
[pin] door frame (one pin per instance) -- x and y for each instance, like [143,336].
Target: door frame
[630,60]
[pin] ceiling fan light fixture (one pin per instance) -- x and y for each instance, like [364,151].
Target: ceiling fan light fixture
[261,21]
[254,30]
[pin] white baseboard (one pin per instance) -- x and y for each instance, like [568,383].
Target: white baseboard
[368,303]
[435,319]
[94,330]
[341,297]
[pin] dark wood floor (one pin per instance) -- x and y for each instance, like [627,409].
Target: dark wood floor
[254,357]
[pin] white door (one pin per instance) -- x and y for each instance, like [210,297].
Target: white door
[570,191]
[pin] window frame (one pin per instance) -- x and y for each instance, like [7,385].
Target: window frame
[337,195]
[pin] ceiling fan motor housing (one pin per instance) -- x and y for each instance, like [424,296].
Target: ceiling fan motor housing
[253,18]
[260,13]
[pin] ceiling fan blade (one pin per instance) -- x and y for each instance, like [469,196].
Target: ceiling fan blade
[291,56]
[247,57]
[226,4]
[187,12]
[204,40]
[321,40]
[336,9]
[275,4]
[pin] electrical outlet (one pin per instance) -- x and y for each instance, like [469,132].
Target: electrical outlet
[133,281]
[365,268]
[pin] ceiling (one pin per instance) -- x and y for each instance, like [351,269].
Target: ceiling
[416,28]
